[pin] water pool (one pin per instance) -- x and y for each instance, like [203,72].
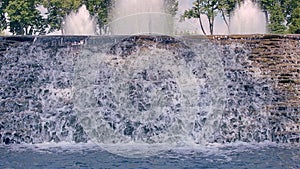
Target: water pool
[238,155]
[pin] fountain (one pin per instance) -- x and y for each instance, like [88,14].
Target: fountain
[155,91]
[148,18]
[248,18]
[79,23]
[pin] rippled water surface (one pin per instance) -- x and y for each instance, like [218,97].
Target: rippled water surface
[93,156]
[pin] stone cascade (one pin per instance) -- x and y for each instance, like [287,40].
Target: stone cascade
[35,95]
[274,60]
[261,79]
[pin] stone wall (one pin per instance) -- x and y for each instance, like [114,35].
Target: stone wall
[262,79]
[276,60]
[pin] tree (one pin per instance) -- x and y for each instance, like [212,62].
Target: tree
[277,20]
[294,27]
[57,10]
[24,18]
[209,8]
[101,9]
[226,7]
[3,24]
[288,7]
[195,12]
[280,13]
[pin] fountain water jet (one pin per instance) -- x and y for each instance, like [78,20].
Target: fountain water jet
[248,18]
[79,23]
[130,17]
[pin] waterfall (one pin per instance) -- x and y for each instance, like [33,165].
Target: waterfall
[136,90]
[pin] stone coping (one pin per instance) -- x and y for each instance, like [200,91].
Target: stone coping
[218,37]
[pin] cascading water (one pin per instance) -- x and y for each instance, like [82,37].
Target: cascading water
[150,90]
[131,17]
[248,18]
[138,96]
[79,23]
[131,92]
[157,96]
[135,95]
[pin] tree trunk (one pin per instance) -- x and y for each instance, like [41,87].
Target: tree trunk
[200,21]
[201,25]
[225,20]
[211,25]
[211,21]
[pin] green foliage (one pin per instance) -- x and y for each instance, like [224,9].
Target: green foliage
[294,27]
[57,10]
[288,6]
[209,8]
[277,20]
[281,14]
[195,12]
[3,24]
[24,18]
[228,6]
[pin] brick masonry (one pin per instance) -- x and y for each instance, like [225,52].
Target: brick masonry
[276,59]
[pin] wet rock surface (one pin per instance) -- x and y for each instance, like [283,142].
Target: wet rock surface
[261,74]
[35,95]
[144,43]
[266,75]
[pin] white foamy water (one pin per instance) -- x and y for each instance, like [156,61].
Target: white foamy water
[248,18]
[79,23]
[150,101]
[140,17]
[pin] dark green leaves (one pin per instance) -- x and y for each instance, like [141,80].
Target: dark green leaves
[3,24]
[24,17]
[294,26]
